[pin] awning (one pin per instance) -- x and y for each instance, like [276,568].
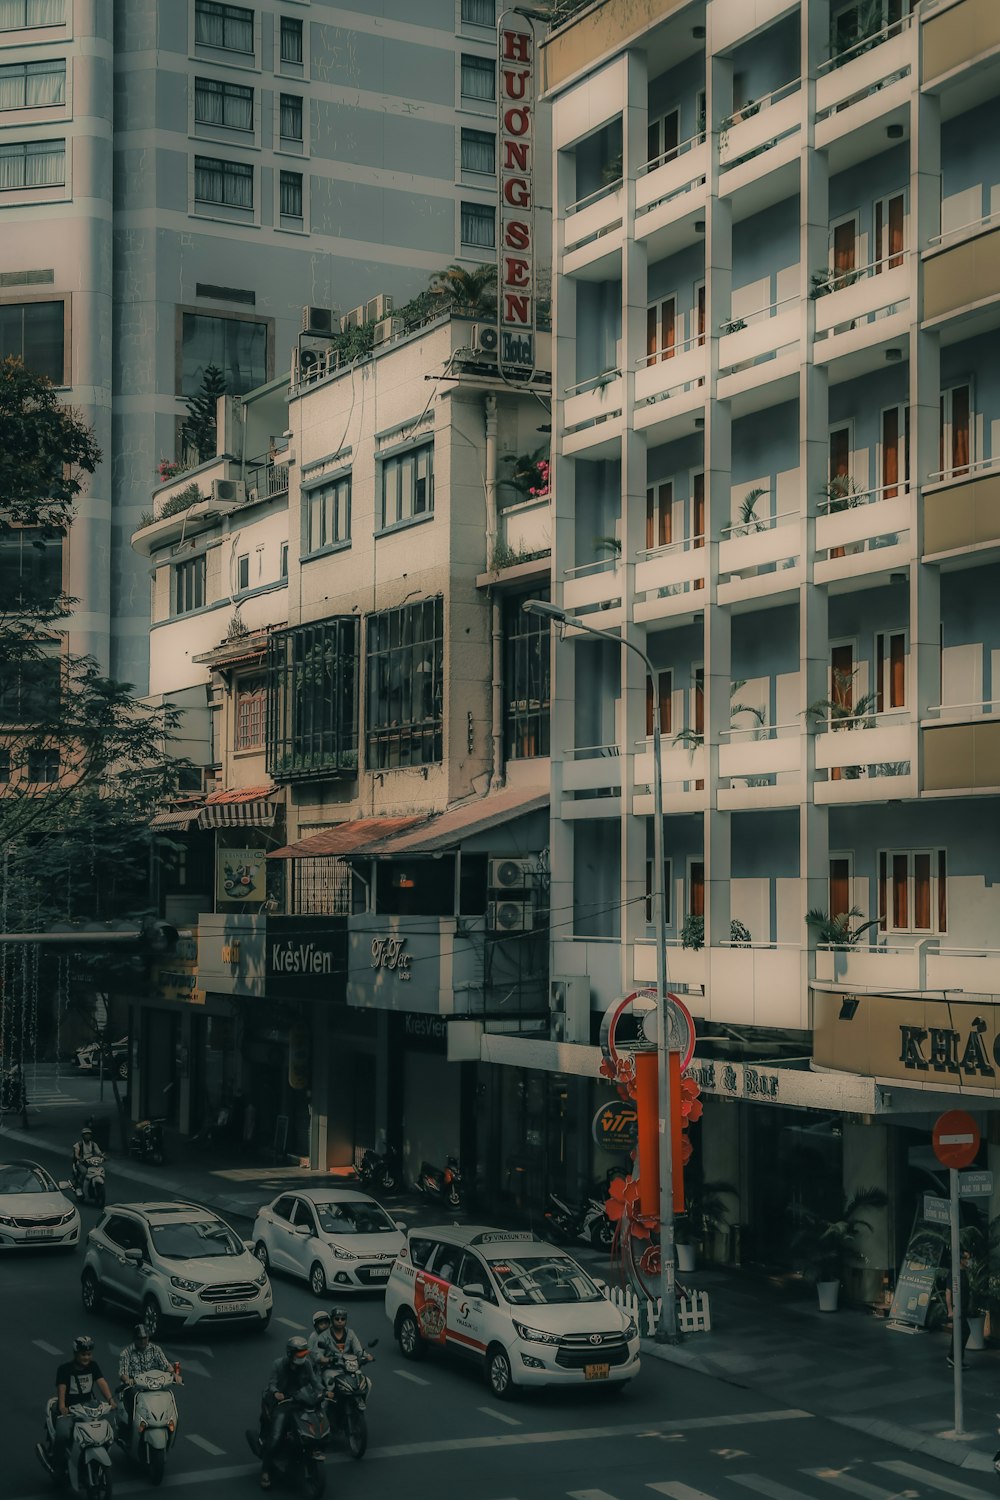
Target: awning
[247,807]
[345,838]
[177,819]
[448,829]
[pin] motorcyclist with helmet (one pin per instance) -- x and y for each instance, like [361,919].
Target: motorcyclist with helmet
[293,1380]
[320,1343]
[83,1149]
[75,1384]
[136,1359]
[343,1340]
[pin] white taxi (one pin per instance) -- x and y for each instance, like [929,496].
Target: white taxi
[523,1308]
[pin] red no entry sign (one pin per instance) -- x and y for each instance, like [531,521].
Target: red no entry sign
[956,1139]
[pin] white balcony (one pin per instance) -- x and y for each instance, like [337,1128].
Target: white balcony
[865,83]
[777,751]
[592,585]
[974,970]
[669,187]
[593,401]
[760,337]
[876,756]
[672,579]
[686,967]
[683,781]
[666,377]
[593,767]
[881,970]
[734,19]
[759,557]
[593,217]
[759,985]
[526,530]
[872,534]
[749,137]
[863,296]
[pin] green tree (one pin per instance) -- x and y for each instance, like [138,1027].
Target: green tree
[46,449]
[199,428]
[472,291]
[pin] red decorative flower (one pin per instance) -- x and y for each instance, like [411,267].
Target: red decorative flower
[607,1068]
[623,1193]
[650,1262]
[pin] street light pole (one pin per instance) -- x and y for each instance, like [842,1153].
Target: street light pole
[667,1327]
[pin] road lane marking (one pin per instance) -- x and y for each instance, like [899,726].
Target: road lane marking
[46,1348]
[205,1445]
[848,1482]
[677,1490]
[589,1495]
[936,1481]
[501,1416]
[289,1324]
[408,1375]
[770,1487]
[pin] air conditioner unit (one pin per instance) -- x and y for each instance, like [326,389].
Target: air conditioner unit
[353,319]
[510,874]
[389,328]
[309,363]
[377,308]
[229,491]
[569,1008]
[485,338]
[318,320]
[509,916]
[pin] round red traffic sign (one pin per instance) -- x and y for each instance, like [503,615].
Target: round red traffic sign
[956,1139]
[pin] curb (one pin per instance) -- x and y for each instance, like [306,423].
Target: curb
[945,1450]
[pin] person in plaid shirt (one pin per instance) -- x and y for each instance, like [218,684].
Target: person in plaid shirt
[135,1359]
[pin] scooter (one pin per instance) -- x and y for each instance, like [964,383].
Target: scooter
[348,1391]
[148,1438]
[381,1169]
[996,1456]
[87,1180]
[88,1459]
[445,1184]
[566,1222]
[146,1142]
[299,1458]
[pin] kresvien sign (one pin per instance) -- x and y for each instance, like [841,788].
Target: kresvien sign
[516,267]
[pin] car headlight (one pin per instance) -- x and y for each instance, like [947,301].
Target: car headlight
[5,1220]
[261,1280]
[631,1330]
[184,1284]
[342,1254]
[67,1217]
[535,1335]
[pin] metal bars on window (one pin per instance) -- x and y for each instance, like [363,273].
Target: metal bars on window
[526,676]
[313,699]
[404,692]
[320,887]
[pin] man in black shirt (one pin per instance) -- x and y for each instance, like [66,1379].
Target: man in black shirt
[76,1382]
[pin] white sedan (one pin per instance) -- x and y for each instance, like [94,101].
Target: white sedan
[34,1210]
[337,1238]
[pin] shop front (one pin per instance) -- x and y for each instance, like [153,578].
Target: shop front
[287,1048]
[160,1083]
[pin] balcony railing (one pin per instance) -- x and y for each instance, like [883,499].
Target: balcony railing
[593,216]
[761,545]
[594,399]
[963,231]
[863,294]
[759,125]
[864,69]
[863,520]
[756,337]
[670,373]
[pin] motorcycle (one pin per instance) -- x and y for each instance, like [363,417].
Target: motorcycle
[88,1458]
[146,1142]
[446,1183]
[381,1170]
[87,1180]
[14,1093]
[152,1432]
[566,1222]
[298,1458]
[348,1390]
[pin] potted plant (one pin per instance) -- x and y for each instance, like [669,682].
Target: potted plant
[703,1218]
[823,1247]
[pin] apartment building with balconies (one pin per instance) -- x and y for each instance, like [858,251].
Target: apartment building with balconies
[775,407]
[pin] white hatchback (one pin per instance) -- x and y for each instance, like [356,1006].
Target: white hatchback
[34,1210]
[337,1238]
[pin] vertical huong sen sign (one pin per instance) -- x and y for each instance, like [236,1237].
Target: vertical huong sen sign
[516,270]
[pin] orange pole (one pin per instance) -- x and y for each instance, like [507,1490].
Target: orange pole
[646,1100]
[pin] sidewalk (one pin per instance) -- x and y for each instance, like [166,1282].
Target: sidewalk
[847,1367]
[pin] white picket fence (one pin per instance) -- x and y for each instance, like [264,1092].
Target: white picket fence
[693,1313]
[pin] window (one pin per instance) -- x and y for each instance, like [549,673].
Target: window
[227,26]
[189,585]
[665,684]
[479,152]
[237,346]
[844,248]
[661,330]
[313,699]
[890,670]
[841,898]
[291,117]
[35,332]
[31,164]
[667,892]
[4,767]
[479,12]
[408,485]
[526,677]
[895,459]
[16,15]
[251,713]
[283,569]
[404,707]
[223,104]
[913,890]
[43,766]
[290,206]
[955,441]
[890,222]
[31,566]
[479,78]
[696,888]
[479,226]
[243,572]
[31,693]
[33,85]
[228,183]
[663,138]
[328,514]
[659,515]
[291,39]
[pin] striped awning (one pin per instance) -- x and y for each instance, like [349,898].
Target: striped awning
[257,814]
[179,818]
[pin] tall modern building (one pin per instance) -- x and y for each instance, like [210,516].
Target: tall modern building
[776,409]
[177,181]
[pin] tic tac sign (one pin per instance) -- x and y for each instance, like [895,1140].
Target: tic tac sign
[516,268]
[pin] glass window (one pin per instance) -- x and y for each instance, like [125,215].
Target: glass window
[30,566]
[479,226]
[291,117]
[913,890]
[236,346]
[405,685]
[243,571]
[199,1239]
[251,713]
[479,12]
[479,151]
[291,39]
[30,694]
[229,183]
[543,1280]
[43,766]
[28,164]
[225,104]
[479,78]
[291,195]
[18,14]
[4,767]
[228,26]
[527,665]
[328,514]
[189,585]
[24,1177]
[283,569]
[354,1216]
[313,699]
[408,485]
[34,332]
[33,85]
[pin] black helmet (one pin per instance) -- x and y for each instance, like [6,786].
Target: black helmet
[140,1331]
[296,1348]
[339,1315]
[86,1131]
[320,1317]
[84,1344]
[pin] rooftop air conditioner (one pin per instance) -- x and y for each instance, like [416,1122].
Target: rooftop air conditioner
[509,916]
[353,319]
[510,874]
[485,338]
[389,328]
[569,1008]
[229,491]
[377,308]
[310,361]
[318,320]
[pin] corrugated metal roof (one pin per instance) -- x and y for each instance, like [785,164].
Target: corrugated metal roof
[346,838]
[448,829]
[242,794]
[178,818]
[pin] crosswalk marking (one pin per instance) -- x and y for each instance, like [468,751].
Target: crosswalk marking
[677,1490]
[499,1416]
[770,1487]
[936,1481]
[851,1484]
[205,1445]
[589,1495]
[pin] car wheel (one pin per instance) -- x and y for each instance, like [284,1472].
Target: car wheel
[260,1250]
[317,1279]
[454,1197]
[123,1070]
[499,1376]
[411,1345]
[90,1292]
[389,1180]
[152,1317]
[602,1233]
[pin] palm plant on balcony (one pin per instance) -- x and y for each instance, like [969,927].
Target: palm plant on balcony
[853,29]
[466,291]
[831,279]
[842,492]
[749,521]
[692,933]
[838,931]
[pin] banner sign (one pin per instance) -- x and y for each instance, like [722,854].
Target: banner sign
[516,269]
[241,875]
[911,1299]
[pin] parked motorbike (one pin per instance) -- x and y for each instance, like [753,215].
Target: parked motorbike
[87,1180]
[299,1458]
[444,1183]
[566,1222]
[996,1456]
[146,1142]
[148,1438]
[13,1092]
[88,1458]
[348,1391]
[381,1170]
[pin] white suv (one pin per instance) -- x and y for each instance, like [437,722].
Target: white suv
[177,1264]
[522,1307]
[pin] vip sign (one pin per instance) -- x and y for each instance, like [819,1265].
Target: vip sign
[517,199]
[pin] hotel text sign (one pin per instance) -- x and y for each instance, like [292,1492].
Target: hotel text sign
[516,301]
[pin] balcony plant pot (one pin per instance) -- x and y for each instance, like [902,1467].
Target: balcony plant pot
[828,1293]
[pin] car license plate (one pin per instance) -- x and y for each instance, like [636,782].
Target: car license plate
[380,1273]
[229,1307]
[596,1372]
[38,1234]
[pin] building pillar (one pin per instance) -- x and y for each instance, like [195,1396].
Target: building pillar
[319,1078]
